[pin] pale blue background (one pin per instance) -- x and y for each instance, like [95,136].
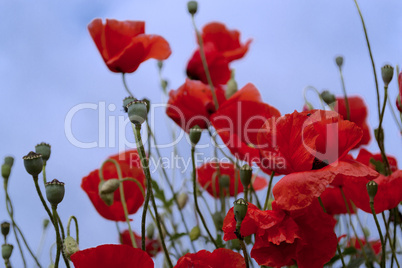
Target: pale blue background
[49,64]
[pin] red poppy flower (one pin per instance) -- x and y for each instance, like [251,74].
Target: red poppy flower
[130,166]
[398,99]
[192,104]
[365,157]
[152,246]
[106,256]
[207,178]
[221,46]
[358,115]
[334,203]
[219,258]
[227,42]
[124,45]
[283,238]
[375,244]
[239,119]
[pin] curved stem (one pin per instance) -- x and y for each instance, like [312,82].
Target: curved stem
[205,64]
[195,197]
[125,85]
[76,228]
[145,167]
[269,190]
[59,245]
[316,91]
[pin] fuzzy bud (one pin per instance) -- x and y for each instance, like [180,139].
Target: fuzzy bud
[33,163]
[70,246]
[107,198]
[54,192]
[44,150]
[182,200]
[109,186]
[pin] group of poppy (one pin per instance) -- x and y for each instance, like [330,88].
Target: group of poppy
[310,149]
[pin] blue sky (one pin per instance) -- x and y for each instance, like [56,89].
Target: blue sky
[49,64]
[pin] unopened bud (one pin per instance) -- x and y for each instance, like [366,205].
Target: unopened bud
[339,61]
[195,134]
[54,192]
[137,111]
[182,200]
[231,86]
[195,233]
[44,150]
[5,171]
[246,172]
[327,97]
[33,163]
[387,72]
[372,188]
[70,246]
[192,7]
[107,198]
[109,186]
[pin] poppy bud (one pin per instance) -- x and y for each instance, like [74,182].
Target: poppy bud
[126,101]
[107,198]
[192,7]
[5,171]
[195,233]
[33,163]
[5,229]
[327,97]
[6,251]
[240,211]
[44,150]
[109,186]
[54,192]
[224,181]
[137,111]
[372,188]
[339,61]
[195,134]
[182,200]
[218,220]
[387,72]
[164,84]
[231,86]
[9,160]
[246,172]
[70,246]
[160,64]
[150,231]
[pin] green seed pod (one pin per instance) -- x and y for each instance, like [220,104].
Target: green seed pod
[5,229]
[109,186]
[387,72]
[246,172]
[137,111]
[339,61]
[224,181]
[5,171]
[218,220]
[195,135]
[107,198]
[327,97]
[44,150]
[54,192]
[182,200]
[9,160]
[192,7]
[126,101]
[6,251]
[33,163]
[240,211]
[372,188]
[195,233]
[70,246]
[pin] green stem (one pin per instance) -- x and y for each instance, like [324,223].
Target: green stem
[245,254]
[63,236]
[195,197]
[344,94]
[123,199]
[380,233]
[380,138]
[76,228]
[59,245]
[252,191]
[145,167]
[269,190]
[387,236]
[316,91]
[205,64]
[337,244]
[44,172]
[125,85]
[371,56]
